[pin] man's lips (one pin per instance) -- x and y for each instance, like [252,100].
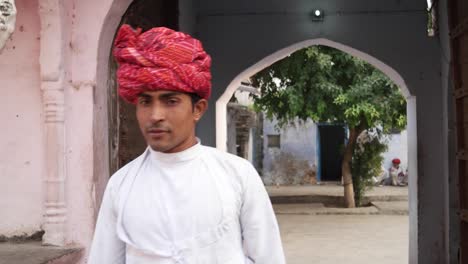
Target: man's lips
[157,132]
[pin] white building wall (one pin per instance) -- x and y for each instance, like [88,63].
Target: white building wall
[397,148]
[297,152]
[300,141]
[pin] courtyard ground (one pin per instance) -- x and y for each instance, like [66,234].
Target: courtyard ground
[350,239]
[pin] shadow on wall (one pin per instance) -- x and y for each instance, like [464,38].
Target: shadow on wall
[286,169]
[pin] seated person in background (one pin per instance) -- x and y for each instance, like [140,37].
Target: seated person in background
[394,171]
[403,178]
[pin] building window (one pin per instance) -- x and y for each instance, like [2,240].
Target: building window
[274,141]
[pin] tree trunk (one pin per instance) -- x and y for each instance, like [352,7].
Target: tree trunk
[346,168]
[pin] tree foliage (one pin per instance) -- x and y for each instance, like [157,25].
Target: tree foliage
[367,161]
[328,85]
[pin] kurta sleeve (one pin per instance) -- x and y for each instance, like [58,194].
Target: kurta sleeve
[260,232]
[106,246]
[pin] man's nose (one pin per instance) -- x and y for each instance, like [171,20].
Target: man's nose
[158,113]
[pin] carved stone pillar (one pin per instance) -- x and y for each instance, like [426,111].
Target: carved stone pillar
[52,85]
[7,20]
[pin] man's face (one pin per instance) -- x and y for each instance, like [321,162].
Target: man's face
[167,119]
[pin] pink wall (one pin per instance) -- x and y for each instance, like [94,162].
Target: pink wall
[87,30]
[87,19]
[21,143]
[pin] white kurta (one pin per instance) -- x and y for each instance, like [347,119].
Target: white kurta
[199,206]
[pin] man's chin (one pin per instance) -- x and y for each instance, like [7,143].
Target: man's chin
[159,147]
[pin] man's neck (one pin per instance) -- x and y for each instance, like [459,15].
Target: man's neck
[190,142]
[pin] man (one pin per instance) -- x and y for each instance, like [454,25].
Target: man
[179,202]
[395,171]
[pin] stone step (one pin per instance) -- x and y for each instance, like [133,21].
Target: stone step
[332,199]
[392,208]
[320,209]
[36,253]
[332,194]
[306,199]
[375,208]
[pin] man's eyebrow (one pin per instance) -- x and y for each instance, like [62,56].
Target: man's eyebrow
[169,95]
[144,95]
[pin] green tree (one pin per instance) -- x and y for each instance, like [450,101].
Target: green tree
[367,161]
[328,85]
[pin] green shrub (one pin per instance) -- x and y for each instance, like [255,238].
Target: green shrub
[367,162]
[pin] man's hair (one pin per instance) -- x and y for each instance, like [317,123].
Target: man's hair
[195,98]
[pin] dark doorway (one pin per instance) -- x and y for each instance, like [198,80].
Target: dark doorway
[126,141]
[331,144]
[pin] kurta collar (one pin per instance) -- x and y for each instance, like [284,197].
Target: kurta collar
[186,155]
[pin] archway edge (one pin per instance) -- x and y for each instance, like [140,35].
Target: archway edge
[113,17]
[221,122]
[101,172]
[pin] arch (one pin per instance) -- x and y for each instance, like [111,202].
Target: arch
[221,123]
[101,171]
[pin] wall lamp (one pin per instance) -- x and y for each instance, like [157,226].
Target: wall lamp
[317,15]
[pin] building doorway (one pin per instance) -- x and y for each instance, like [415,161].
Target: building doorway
[331,141]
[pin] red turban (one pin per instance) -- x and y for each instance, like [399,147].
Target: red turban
[396,161]
[160,59]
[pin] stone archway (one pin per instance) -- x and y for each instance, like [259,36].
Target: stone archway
[222,101]
[221,117]
[101,147]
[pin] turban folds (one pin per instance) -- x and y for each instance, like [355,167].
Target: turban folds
[160,59]
[396,161]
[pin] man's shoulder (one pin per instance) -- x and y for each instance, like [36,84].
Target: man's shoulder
[226,157]
[234,165]
[120,174]
[237,169]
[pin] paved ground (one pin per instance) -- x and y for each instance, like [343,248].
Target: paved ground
[317,234]
[35,253]
[350,239]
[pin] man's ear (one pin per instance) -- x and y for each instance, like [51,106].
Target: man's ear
[199,109]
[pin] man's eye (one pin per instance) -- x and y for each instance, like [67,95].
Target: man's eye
[172,101]
[143,102]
